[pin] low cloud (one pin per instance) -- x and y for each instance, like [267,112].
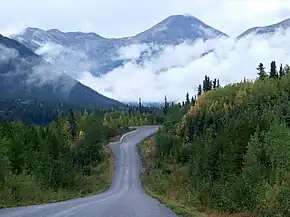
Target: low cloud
[180,69]
[65,60]
[132,51]
[175,70]
[62,66]
[37,72]
[6,54]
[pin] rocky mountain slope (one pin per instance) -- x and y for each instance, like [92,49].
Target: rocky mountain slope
[283,25]
[25,75]
[101,52]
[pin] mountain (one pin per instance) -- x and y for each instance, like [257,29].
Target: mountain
[27,76]
[101,52]
[177,29]
[271,29]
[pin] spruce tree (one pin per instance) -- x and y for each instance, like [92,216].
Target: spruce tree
[204,84]
[281,71]
[261,71]
[187,99]
[199,90]
[140,106]
[218,83]
[166,105]
[192,101]
[214,84]
[209,84]
[273,71]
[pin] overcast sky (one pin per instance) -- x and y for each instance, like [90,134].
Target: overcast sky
[115,18]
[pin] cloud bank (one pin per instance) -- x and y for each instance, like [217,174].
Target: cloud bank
[6,54]
[180,69]
[36,72]
[176,69]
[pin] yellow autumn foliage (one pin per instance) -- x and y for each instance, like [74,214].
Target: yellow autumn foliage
[81,134]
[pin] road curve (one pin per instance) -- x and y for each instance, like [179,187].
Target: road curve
[124,198]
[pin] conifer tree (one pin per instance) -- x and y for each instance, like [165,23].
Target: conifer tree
[214,83]
[166,105]
[281,71]
[207,83]
[218,83]
[187,99]
[192,101]
[261,71]
[273,70]
[199,90]
[204,84]
[140,106]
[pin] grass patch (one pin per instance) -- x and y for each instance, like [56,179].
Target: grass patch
[169,184]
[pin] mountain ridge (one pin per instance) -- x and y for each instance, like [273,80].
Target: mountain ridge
[284,24]
[25,75]
[269,29]
[102,52]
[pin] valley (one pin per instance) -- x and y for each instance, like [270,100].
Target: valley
[178,120]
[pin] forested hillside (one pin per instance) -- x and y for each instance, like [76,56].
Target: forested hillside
[230,153]
[60,153]
[26,76]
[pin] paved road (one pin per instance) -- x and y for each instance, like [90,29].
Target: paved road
[125,197]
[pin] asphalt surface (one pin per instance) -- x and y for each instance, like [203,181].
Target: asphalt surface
[124,198]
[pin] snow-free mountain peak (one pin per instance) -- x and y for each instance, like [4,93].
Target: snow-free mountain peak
[102,52]
[176,29]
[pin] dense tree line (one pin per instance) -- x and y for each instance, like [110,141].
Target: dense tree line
[235,143]
[54,147]
[135,115]
[32,112]
[54,157]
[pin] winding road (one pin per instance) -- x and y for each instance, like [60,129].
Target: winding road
[124,198]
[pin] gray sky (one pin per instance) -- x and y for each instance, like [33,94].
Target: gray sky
[115,18]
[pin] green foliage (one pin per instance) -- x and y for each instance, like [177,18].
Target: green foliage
[133,117]
[52,151]
[261,71]
[4,160]
[235,143]
[52,158]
